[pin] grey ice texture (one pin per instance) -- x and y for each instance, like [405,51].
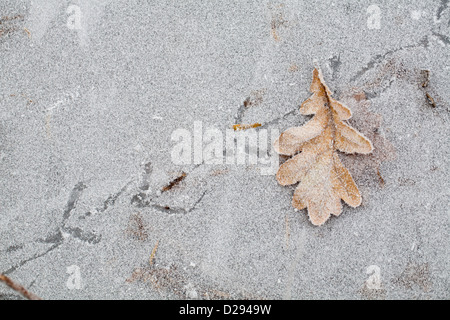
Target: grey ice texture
[86,117]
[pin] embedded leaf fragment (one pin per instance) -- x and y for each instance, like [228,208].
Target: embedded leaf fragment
[238,127]
[315,165]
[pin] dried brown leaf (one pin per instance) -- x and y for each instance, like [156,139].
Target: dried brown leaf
[324,180]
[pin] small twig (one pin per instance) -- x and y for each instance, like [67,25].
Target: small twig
[430,100]
[381,178]
[174,182]
[18,288]
[152,255]
[28,32]
[424,84]
[238,127]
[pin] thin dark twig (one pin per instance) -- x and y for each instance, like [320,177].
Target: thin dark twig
[174,182]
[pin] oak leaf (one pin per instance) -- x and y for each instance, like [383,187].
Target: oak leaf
[324,181]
